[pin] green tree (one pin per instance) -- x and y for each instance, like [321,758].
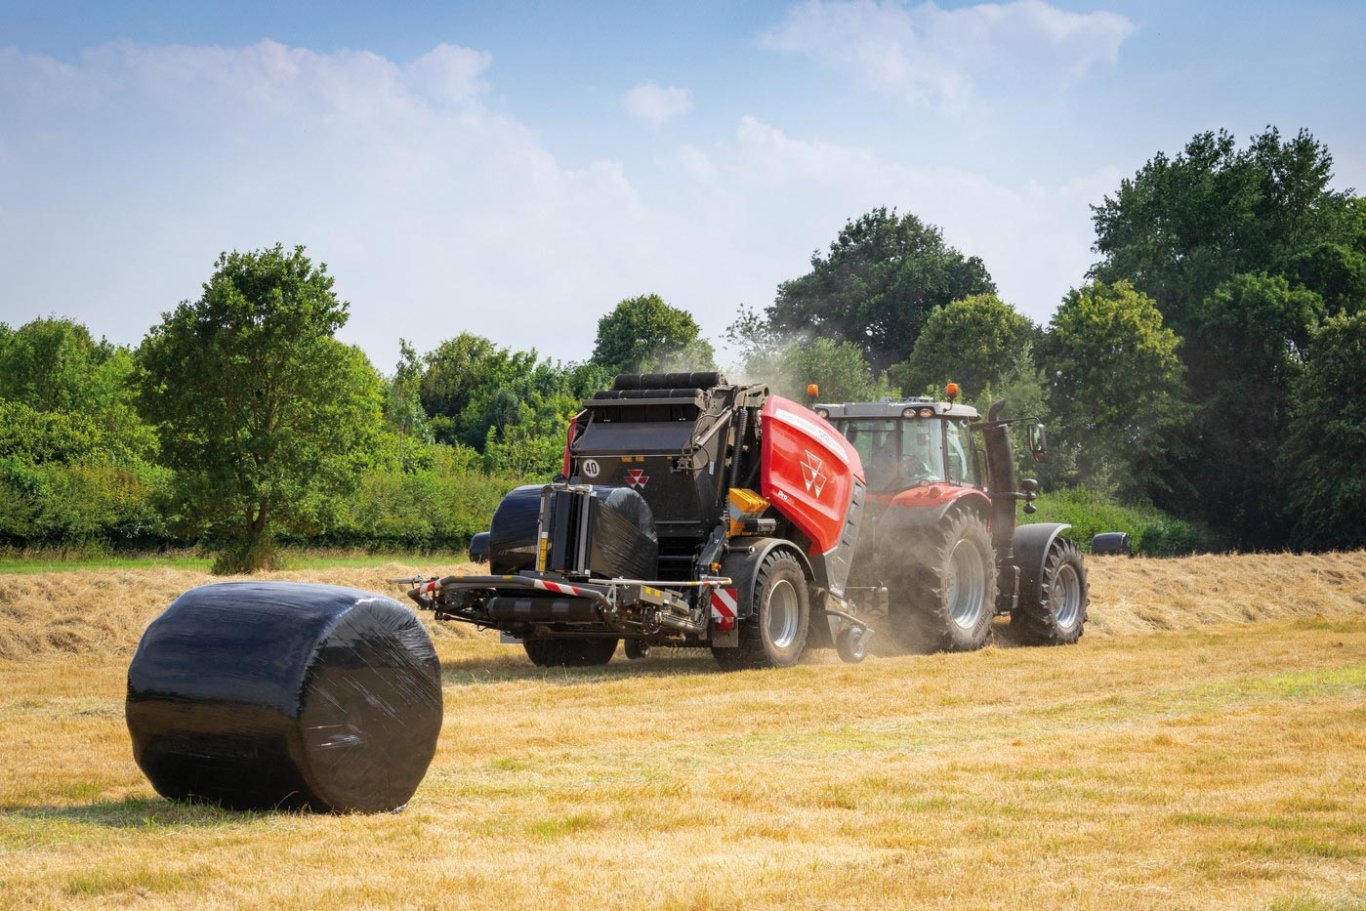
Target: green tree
[267,419]
[788,366]
[1326,444]
[53,365]
[471,386]
[76,462]
[977,342]
[1336,269]
[1182,226]
[644,334]
[403,410]
[1114,388]
[882,278]
[460,377]
[1246,352]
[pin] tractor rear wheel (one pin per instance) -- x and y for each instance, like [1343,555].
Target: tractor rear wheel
[570,652]
[775,634]
[1056,613]
[946,597]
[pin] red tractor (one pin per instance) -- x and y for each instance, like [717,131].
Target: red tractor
[939,549]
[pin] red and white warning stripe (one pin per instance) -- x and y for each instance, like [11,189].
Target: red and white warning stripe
[556,587]
[724,603]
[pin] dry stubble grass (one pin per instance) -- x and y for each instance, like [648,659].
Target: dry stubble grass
[1210,767]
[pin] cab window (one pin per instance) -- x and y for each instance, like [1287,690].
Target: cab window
[958,448]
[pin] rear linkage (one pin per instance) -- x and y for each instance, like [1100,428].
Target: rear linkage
[626,606]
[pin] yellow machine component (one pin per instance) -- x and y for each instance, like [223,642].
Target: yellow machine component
[744,504]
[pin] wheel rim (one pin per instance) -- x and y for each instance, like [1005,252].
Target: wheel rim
[967,584]
[1066,596]
[782,614]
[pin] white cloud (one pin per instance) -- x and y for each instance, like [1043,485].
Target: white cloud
[656,105]
[928,54]
[1035,239]
[449,73]
[126,171]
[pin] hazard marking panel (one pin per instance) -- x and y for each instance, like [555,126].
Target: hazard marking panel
[556,587]
[724,604]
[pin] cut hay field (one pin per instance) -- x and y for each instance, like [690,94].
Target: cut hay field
[1203,747]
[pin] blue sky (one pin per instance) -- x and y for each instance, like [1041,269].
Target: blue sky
[515,169]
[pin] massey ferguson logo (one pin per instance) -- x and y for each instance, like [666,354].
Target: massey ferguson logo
[813,473]
[637,478]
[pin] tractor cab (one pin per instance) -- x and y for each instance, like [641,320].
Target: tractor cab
[910,444]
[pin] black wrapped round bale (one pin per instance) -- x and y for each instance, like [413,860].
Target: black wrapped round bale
[265,695]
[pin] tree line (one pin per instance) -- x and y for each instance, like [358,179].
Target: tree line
[1206,366]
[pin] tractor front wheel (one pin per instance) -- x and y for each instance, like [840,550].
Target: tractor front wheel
[946,597]
[775,634]
[1056,613]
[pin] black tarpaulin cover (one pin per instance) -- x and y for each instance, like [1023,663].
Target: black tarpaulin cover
[622,542]
[262,695]
[512,534]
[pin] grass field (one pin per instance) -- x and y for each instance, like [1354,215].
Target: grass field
[1182,756]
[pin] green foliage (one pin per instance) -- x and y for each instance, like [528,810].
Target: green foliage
[75,460]
[1326,443]
[644,334]
[1153,532]
[1245,252]
[1246,352]
[482,396]
[267,419]
[976,342]
[1114,388]
[883,277]
[461,381]
[70,383]
[838,368]
[1182,226]
[403,411]
[436,507]
[789,365]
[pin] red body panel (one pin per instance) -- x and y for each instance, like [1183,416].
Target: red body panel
[807,471]
[936,495]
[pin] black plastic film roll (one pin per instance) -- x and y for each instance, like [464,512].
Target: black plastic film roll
[263,695]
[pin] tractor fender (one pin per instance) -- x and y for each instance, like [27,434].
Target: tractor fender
[1030,547]
[925,508]
[742,562]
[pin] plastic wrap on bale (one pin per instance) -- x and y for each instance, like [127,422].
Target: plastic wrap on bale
[623,540]
[512,534]
[265,695]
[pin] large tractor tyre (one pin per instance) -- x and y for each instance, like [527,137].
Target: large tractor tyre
[570,652]
[946,596]
[1056,614]
[775,634]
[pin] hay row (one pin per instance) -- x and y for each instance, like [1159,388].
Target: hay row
[103,612]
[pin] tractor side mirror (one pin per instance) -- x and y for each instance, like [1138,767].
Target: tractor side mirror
[1038,443]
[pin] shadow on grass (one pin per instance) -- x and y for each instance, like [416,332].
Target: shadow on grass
[135,813]
[516,667]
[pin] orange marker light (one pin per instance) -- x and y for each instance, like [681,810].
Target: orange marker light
[952,390]
[813,390]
